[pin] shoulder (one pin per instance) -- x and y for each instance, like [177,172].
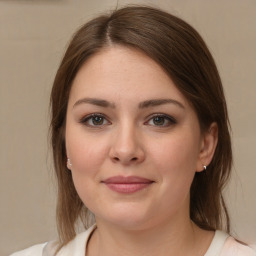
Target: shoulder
[35,250]
[234,248]
[225,245]
[76,246]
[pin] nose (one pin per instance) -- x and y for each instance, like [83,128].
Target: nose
[127,147]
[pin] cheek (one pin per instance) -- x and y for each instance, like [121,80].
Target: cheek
[86,153]
[179,153]
[176,159]
[87,158]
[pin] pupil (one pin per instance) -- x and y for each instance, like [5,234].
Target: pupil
[159,120]
[97,120]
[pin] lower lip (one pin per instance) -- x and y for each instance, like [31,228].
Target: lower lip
[127,188]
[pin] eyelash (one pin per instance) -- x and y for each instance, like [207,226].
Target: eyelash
[170,120]
[85,120]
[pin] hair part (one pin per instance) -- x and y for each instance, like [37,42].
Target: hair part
[182,53]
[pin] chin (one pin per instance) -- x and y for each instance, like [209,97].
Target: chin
[128,218]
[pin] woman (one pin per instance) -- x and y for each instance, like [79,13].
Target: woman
[141,143]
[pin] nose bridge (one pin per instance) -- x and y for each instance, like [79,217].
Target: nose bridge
[127,145]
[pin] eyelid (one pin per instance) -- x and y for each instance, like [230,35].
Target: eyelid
[86,118]
[171,119]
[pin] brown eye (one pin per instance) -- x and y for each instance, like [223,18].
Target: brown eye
[97,120]
[94,120]
[161,120]
[158,120]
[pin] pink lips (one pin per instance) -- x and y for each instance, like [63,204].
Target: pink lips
[127,185]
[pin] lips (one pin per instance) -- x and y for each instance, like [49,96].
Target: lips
[127,185]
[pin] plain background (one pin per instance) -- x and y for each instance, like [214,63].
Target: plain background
[33,36]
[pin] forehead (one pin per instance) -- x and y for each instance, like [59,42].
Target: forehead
[121,71]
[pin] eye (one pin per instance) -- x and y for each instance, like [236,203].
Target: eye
[161,120]
[94,120]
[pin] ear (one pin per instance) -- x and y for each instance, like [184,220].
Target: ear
[207,148]
[69,164]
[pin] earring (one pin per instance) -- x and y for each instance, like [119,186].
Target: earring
[205,167]
[69,162]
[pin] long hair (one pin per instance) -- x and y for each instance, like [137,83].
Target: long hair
[181,52]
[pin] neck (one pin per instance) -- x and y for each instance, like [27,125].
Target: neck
[160,240]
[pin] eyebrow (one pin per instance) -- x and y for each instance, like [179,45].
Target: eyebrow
[158,102]
[97,102]
[144,104]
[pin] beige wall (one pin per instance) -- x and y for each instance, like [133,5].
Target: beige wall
[33,34]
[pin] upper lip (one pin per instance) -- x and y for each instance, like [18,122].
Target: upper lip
[126,180]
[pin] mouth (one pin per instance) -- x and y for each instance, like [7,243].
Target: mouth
[127,185]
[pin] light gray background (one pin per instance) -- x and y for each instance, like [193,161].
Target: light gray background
[33,36]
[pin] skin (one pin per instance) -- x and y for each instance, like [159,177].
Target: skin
[128,136]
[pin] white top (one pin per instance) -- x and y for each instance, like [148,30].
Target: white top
[221,245]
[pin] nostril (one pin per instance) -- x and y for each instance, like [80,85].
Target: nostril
[134,159]
[116,158]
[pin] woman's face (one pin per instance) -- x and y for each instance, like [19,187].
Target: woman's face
[133,140]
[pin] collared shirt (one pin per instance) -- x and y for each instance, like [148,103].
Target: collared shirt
[221,245]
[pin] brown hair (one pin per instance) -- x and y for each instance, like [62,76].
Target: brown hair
[182,53]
